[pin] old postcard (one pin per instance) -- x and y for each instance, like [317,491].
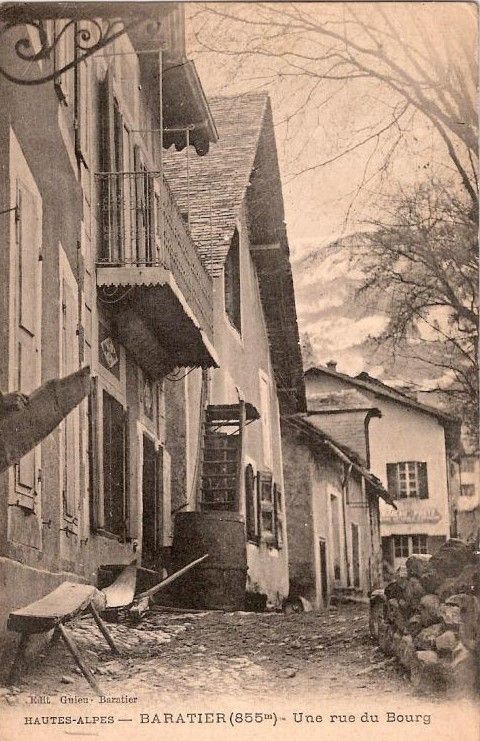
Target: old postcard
[239,461]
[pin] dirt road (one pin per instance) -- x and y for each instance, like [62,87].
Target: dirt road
[212,653]
[216,676]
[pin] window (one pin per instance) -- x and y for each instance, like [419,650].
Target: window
[467,464]
[267,514]
[127,196]
[114,466]
[468,490]
[406,545]
[81,111]
[269,510]
[401,546]
[419,544]
[407,480]
[232,283]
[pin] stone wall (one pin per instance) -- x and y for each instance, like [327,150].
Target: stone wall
[428,617]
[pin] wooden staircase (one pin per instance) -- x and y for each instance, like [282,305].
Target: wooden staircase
[222,455]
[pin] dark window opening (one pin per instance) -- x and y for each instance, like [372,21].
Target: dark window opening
[232,283]
[114,466]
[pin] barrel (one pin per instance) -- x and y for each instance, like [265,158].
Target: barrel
[219,582]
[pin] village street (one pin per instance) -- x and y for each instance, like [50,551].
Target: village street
[180,654]
[215,675]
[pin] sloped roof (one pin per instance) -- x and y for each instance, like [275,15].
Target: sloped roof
[366,382]
[218,182]
[242,167]
[322,438]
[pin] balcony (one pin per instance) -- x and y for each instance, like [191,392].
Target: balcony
[149,275]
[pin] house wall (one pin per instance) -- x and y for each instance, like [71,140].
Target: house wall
[465,480]
[32,556]
[298,472]
[40,549]
[242,357]
[404,434]
[313,482]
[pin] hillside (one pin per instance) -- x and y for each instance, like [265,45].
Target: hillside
[340,324]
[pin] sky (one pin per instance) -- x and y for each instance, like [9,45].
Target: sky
[336,116]
[315,123]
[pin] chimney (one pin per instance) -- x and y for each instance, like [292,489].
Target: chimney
[332,365]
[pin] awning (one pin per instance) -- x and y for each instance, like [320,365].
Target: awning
[185,107]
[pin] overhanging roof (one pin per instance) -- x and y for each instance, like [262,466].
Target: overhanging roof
[242,169]
[185,107]
[364,381]
[322,439]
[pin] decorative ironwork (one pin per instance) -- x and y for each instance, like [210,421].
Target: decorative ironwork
[90,36]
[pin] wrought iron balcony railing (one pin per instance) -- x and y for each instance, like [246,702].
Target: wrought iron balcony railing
[141,226]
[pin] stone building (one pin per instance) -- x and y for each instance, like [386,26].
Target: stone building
[333,516]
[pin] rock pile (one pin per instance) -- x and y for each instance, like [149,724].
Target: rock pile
[428,617]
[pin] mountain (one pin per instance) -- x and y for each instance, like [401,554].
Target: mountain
[336,323]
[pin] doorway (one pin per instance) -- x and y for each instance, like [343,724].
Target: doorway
[152,496]
[322,555]
[356,555]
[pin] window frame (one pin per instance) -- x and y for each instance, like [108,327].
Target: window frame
[407,480]
[404,544]
[271,507]
[471,489]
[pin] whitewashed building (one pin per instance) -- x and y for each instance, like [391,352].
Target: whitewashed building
[407,446]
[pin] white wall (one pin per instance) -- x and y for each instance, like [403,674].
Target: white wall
[404,434]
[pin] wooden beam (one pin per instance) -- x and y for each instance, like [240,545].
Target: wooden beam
[103,628]
[259,248]
[72,647]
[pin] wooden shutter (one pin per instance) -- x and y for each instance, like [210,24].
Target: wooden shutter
[392,480]
[80,122]
[106,157]
[278,516]
[28,259]
[150,217]
[70,437]
[114,465]
[167,499]
[126,463]
[160,500]
[422,480]
[28,307]
[26,470]
[93,455]
[251,524]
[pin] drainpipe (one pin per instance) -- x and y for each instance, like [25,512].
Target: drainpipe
[347,472]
